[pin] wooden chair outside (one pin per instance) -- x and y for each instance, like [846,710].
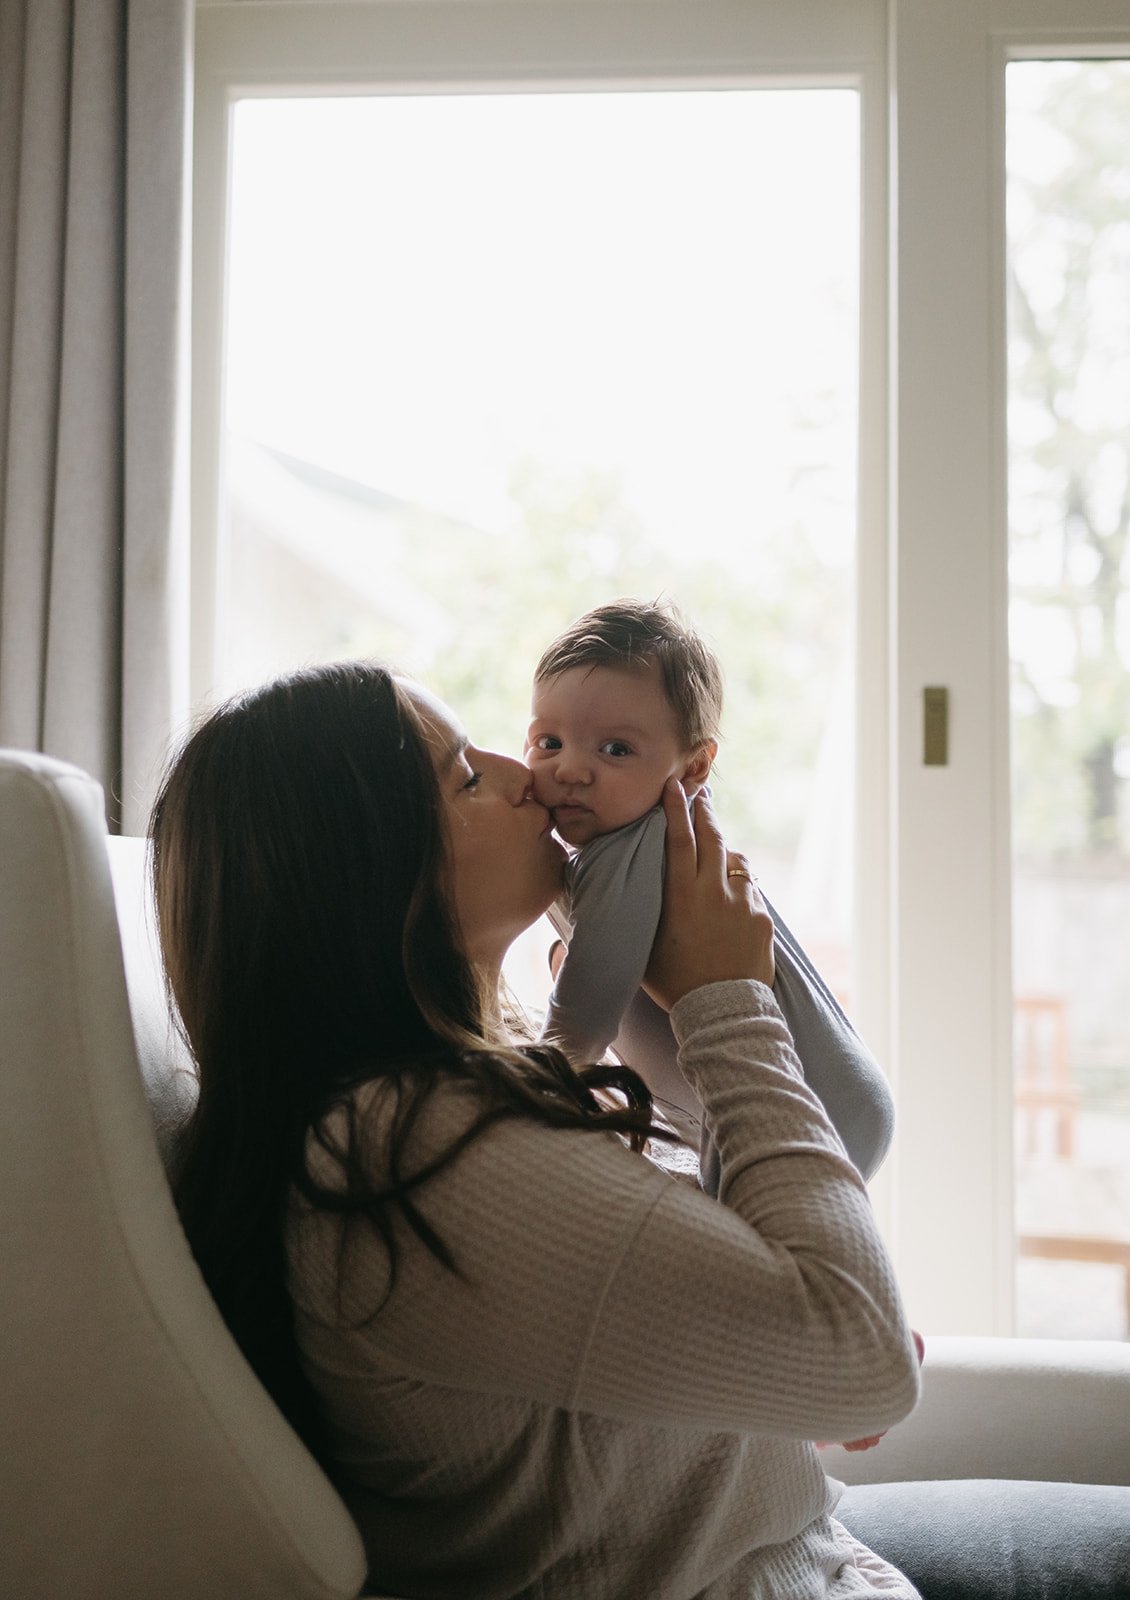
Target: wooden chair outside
[1046,1093]
[1045,1089]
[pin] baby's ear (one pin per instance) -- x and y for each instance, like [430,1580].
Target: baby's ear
[697,769]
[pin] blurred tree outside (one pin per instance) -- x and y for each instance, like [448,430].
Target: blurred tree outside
[778,614]
[1068,216]
[1069,429]
[543,351]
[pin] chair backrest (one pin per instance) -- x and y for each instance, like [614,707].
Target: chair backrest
[141,1457]
[167,1074]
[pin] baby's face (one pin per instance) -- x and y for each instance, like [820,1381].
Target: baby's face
[601,744]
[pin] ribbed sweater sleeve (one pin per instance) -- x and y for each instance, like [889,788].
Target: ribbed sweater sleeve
[786,1317]
[592,1281]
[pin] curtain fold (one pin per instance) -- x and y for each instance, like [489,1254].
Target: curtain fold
[95,105]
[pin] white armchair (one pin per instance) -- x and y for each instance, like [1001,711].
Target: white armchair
[1047,1410]
[141,1456]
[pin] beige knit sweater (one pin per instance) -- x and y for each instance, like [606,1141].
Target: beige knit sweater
[614,1398]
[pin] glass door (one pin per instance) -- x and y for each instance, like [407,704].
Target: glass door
[1068,208]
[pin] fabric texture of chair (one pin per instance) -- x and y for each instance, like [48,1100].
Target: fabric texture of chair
[166,1068]
[1049,1410]
[141,1456]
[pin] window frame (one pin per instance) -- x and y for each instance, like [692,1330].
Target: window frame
[950,956]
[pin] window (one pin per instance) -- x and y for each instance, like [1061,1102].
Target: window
[932,924]
[1069,517]
[493,359]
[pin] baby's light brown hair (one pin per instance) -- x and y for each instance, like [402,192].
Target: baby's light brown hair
[633,634]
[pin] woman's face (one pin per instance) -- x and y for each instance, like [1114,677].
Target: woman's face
[506,866]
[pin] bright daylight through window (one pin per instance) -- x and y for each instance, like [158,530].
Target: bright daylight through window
[1069,621]
[492,359]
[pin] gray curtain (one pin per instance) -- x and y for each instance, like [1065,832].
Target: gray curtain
[95,111]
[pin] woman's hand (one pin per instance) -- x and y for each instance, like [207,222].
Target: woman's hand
[713,926]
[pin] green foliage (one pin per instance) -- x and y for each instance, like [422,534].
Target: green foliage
[1069,348]
[778,616]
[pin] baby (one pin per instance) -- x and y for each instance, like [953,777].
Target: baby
[624,699]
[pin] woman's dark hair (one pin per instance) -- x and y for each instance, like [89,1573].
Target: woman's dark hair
[310,946]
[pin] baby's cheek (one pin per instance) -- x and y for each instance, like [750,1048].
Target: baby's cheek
[539,775]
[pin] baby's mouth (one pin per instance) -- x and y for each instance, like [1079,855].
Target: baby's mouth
[569,816]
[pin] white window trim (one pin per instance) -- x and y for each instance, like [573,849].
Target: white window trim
[934,974]
[951,979]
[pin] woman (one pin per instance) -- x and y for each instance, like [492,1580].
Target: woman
[534,1363]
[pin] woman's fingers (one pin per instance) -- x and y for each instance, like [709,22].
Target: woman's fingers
[708,839]
[712,927]
[738,874]
[695,847]
[682,853]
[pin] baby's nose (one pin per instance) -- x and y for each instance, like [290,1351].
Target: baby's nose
[572,767]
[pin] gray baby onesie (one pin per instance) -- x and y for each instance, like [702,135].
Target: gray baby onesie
[608,916]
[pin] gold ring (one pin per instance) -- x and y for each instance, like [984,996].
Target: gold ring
[737,872]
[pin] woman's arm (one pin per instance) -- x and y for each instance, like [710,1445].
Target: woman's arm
[590,1280]
[783,1308]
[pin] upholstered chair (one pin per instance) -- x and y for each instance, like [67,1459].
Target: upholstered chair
[140,1457]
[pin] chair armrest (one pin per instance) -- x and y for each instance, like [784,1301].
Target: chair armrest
[1047,1409]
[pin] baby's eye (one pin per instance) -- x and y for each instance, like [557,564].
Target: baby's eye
[547,741]
[615,747]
